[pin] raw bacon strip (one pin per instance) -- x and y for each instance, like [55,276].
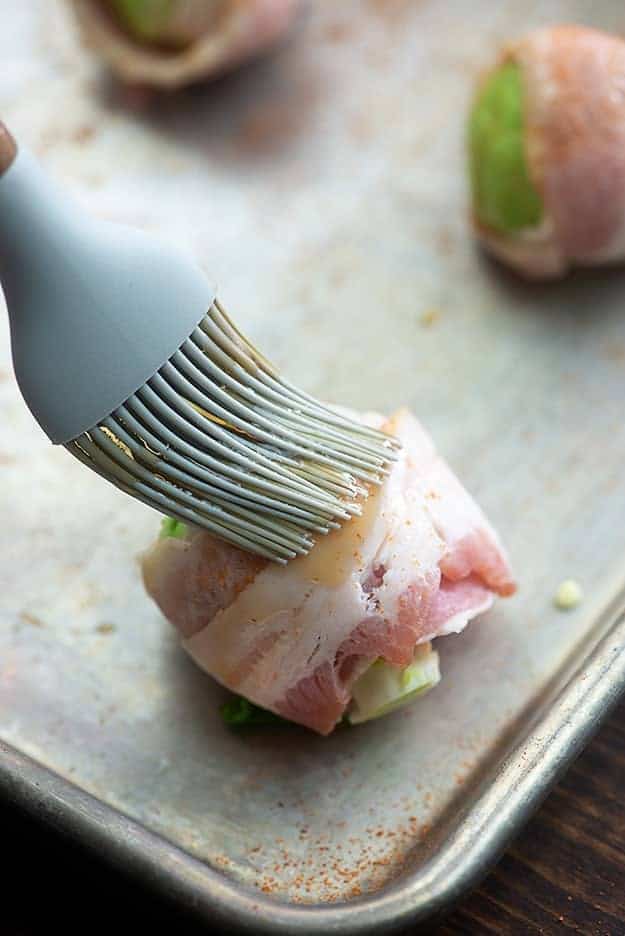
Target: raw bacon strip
[191,580]
[421,562]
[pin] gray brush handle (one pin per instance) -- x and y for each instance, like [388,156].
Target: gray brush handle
[95,309]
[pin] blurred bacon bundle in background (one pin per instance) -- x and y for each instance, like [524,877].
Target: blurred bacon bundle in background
[170,43]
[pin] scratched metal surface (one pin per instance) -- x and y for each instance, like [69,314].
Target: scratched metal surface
[324,191]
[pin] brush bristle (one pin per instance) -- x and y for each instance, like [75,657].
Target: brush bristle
[218,439]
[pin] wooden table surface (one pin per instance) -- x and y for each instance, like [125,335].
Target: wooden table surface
[564,874]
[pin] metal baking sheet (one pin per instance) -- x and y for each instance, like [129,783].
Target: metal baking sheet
[324,191]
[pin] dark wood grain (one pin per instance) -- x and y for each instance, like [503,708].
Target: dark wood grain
[564,874]
[566,871]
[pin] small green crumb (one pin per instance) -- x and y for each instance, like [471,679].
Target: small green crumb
[568,595]
[174,528]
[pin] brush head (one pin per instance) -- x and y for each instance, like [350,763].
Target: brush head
[118,359]
[218,439]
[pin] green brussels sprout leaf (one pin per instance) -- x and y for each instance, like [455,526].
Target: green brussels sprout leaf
[504,197]
[241,714]
[174,528]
